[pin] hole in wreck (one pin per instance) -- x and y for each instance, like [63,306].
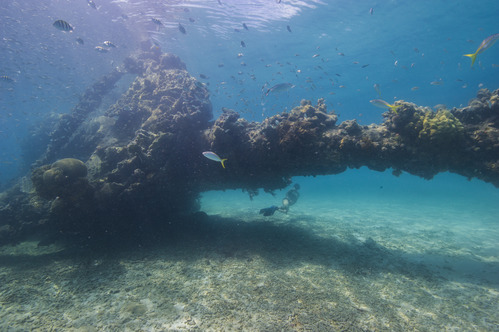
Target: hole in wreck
[358,187]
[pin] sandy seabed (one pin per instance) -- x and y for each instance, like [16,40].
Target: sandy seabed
[339,267]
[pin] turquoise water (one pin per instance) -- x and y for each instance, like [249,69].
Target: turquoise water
[336,50]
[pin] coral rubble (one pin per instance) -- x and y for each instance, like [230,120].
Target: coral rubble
[145,164]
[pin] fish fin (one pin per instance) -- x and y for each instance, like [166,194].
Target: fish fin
[222,161]
[472,56]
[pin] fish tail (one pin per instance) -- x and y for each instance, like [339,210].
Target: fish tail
[222,161]
[472,56]
[394,108]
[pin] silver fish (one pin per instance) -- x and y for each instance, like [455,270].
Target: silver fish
[279,88]
[109,44]
[101,49]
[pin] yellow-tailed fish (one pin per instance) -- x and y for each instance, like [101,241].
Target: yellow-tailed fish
[213,156]
[7,79]
[486,43]
[383,104]
[101,49]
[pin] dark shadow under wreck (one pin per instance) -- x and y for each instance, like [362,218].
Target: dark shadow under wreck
[144,166]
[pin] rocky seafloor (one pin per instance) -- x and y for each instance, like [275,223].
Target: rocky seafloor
[351,267]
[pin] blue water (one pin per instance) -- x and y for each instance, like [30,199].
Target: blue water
[405,44]
[336,50]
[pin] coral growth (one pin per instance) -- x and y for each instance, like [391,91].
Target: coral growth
[441,130]
[145,163]
[64,178]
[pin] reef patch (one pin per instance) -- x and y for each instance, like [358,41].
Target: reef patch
[142,166]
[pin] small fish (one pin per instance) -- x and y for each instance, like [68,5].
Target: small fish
[486,43]
[437,83]
[63,25]
[315,55]
[203,76]
[80,41]
[181,28]
[213,156]
[91,4]
[383,104]
[243,44]
[279,88]
[245,26]
[109,44]
[376,87]
[7,79]
[371,11]
[364,66]
[101,49]
[341,54]
[414,88]
[191,20]
[288,27]
[156,21]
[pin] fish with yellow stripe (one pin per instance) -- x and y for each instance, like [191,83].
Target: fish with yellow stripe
[486,43]
[213,156]
[383,104]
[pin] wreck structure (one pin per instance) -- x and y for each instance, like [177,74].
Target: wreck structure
[139,165]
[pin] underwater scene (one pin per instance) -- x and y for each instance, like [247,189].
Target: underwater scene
[249,165]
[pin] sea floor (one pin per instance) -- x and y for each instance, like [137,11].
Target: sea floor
[328,265]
